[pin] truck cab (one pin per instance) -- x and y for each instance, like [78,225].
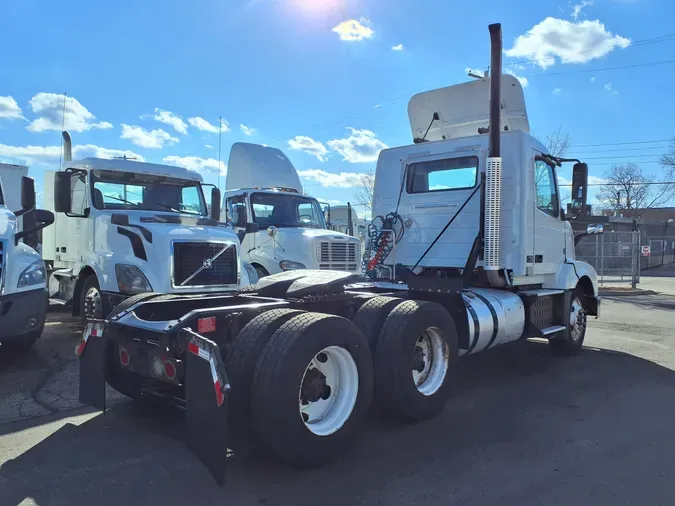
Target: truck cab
[124,227]
[434,186]
[23,280]
[263,189]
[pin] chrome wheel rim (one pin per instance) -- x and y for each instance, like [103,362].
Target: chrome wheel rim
[577,320]
[328,391]
[431,361]
[92,303]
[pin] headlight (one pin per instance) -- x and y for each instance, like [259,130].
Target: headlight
[252,273]
[130,279]
[34,274]
[287,265]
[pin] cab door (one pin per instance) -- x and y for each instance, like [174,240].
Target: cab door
[236,213]
[548,230]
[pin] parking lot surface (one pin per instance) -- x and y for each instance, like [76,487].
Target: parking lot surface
[522,427]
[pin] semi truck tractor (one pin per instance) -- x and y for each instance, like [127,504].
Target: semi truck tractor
[23,278]
[262,188]
[125,227]
[474,251]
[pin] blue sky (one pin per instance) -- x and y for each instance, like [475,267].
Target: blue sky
[326,81]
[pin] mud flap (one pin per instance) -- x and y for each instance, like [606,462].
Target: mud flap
[92,349]
[206,389]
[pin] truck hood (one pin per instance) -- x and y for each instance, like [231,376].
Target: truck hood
[7,223]
[161,227]
[311,233]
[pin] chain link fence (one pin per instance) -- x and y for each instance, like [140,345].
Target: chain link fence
[619,257]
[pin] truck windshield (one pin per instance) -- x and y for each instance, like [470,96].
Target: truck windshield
[286,210]
[129,190]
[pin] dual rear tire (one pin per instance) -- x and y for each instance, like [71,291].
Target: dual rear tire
[302,383]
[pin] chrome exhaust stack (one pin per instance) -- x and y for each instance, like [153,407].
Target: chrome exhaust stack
[67,147]
[493,171]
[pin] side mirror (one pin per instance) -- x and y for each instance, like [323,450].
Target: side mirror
[252,228]
[62,193]
[579,188]
[41,219]
[27,194]
[272,231]
[215,203]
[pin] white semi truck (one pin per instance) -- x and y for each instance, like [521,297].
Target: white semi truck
[262,188]
[125,227]
[471,213]
[23,278]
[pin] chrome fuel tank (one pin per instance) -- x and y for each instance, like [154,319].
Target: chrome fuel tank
[495,317]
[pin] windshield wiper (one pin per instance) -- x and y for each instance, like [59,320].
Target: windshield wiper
[165,206]
[125,201]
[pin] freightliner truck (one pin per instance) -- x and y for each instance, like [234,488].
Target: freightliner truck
[474,252]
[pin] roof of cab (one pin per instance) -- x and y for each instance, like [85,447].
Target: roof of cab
[118,164]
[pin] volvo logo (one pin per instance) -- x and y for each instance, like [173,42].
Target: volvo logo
[207,263]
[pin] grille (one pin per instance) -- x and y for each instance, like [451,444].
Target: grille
[338,256]
[189,257]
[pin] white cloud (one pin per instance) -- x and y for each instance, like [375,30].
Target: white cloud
[247,130]
[611,89]
[397,47]
[208,146]
[361,146]
[329,201]
[330,179]
[523,80]
[9,109]
[309,145]
[153,139]
[203,125]
[577,8]
[201,165]
[168,118]
[50,111]
[557,91]
[572,42]
[593,79]
[51,154]
[353,30]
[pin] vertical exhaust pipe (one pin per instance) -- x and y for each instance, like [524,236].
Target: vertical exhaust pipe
[493,171]
[67,147]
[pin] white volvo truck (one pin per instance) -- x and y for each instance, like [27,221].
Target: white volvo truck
[124,227]
[262,187]
[470,212]
[23,279]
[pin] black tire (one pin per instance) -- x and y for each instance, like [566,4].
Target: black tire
[241,364]
[278,378]
[571,345]
[90,282]
[395,390]
[127,303]
[371,316]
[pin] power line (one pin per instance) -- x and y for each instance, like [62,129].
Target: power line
[622,157]
[585,71]
[630,183]
[618,143]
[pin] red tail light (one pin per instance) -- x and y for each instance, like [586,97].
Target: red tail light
[124,356]
[169,370]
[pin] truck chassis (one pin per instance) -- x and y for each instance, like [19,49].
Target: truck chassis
[232,361]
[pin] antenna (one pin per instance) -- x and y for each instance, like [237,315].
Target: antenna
[220,135]
[63,123]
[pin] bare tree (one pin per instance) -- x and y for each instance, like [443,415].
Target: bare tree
[364,192]
[629,187]
[668,160]
[557,142]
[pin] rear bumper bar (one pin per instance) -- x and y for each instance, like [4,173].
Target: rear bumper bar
[205,383]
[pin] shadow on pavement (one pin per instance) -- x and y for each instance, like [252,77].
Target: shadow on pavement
[522,428]
[645,302]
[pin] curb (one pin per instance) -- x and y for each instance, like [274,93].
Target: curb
[619,293]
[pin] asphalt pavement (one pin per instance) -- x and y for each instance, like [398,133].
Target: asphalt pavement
[522,427]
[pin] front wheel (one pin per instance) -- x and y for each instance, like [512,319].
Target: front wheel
[312,388]
[574,339]
[91,301]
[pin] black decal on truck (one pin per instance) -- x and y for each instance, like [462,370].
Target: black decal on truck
[136,242]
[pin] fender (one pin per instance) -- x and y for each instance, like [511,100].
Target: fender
[570,273]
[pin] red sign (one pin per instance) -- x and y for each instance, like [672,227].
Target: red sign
[646,250]
[205,325]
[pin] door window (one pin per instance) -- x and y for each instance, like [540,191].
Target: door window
[545,188]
